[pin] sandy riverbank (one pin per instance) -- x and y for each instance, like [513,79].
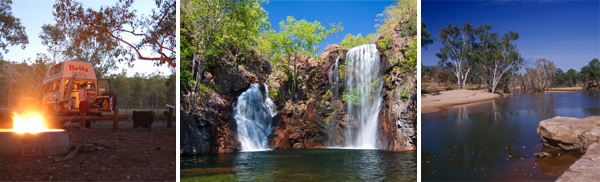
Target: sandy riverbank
[564,89]
[435,101]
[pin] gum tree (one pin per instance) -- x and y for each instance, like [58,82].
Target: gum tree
[109,24]
[496,55]
[456,46]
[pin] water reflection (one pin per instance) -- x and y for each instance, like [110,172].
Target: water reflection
[495,140]
[305,165]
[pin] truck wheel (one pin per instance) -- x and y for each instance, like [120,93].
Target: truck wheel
[88,124]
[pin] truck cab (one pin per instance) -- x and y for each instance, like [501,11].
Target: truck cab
[62,83]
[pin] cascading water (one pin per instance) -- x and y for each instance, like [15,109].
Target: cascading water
[334,77]
[253,114]
[362,95]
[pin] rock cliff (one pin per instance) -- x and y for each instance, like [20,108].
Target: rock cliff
[209,126]
[318,118]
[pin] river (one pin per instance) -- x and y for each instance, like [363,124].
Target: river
[328,164]
[497,139]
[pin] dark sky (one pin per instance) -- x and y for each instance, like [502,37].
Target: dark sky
[565,32]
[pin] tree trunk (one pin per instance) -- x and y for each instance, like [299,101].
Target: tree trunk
[465,78]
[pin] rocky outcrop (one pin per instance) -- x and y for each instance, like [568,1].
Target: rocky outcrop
[305,123]
[318,117]
[574,134]
[565,133]
[209,127]
[585,169]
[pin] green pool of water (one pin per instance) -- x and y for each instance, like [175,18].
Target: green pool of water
[302,165]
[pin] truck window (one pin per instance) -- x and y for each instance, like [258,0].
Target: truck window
[55,69]
[51,87]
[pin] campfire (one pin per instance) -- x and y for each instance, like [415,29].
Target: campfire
[30,123]
[30,136]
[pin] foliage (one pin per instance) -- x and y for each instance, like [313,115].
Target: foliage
[538,78]
[213,28]
[410,28]
[354,97]
[590,73]
[393,14]
[496,55]
[383,45]
[21,80]
[295,39]
[456,46]
[55,39]
[204,90]
[426,38]
[141,90]
[62,46]
[275,94]
[108,24]
[12,33]
[185,76]
[404,94]
[351,41]
[411,63]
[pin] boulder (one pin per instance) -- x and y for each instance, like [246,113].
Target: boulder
[565,133]
[585,169]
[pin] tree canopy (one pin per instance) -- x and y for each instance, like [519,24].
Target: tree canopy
[109,24]
[295,38]
[456,47]
[353,41]
[12,33]
[496,55]
[426,38]
[211,28]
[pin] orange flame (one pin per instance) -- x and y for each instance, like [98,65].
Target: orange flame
[32,123]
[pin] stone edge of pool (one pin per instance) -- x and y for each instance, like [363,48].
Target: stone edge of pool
[567,133]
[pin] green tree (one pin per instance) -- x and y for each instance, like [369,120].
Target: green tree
[351,41]
[456,47]
[109,24]
[54,38]
[393,14]
[497,55]
[572,77]
[211,28]
[296,38]
[11,31]
[591,73]
[426,38]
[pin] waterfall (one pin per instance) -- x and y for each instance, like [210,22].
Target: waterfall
[334,78]
[253,113]
[363,97]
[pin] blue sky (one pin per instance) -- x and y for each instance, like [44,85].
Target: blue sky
[34,13]
[565,32]
[356,16]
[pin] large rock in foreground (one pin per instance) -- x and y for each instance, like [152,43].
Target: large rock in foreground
[565,133]
[585,169]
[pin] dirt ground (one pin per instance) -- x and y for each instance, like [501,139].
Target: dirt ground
[125,154]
